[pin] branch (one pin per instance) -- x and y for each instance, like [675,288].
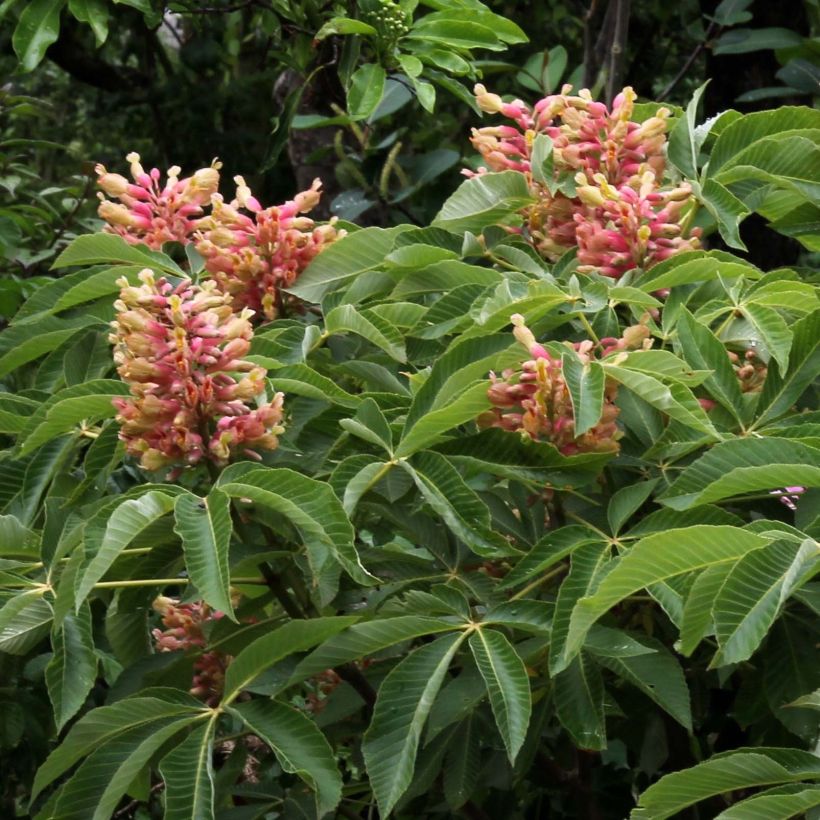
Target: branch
[620,33]
[710,32]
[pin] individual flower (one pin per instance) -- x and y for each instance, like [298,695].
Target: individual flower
[535,399]
[150,211]
[749,369]
[180,350]
[789,496]
[254,252]
[184,630]
[606,197]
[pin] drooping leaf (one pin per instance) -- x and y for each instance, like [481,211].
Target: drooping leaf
[654,559]
[403,704]
[72,669]
[507,685]
[743,465]
[204,525]
[188,773]
[298,745]
[730,771]
[295,636]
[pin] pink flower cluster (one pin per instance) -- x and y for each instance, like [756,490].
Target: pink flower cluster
[251,251]
[183,631]
[535,398]
[252,257]
[619,215]
[180,351]
[151,212]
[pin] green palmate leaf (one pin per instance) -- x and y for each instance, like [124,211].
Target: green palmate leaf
[435,425]
[654,559]
[17,541]
[702,349]
[694,267]
[72,669]
[296,636]
[356,253]
[781,391]
[463,764]
[696,622]
[84,403]
[459,507]
[779,803]
[586,389]
[366,90]
[369,325]
[753,594]
[14,412]
[125,523]
[361,640]
[99,726]
[773,331]
[312,507]
[19,346]
[664,365]
[590,560]
[626,501]
[685,141]
[107,248]
[741,466]
[298,745]
[579,703]
[370,424]
[501,453]
[728,211]
[676,400]
[404,702]
[757,125]
[94,13]
[25,623]
[204,525]
[301,380]
[542,160]
[552,548]
[189,776]
[106,774]
[507,686]
[37,28]
[486,199]
[658,675]
[731,771]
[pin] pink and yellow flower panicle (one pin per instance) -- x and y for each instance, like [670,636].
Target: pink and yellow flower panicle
[151,212]
[180,351]
[251,251]
[621,216]
[535,399]
[184,630]
[253,257]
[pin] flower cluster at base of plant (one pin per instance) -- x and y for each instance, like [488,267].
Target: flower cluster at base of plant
[606,197]
[180,351]
[251,251]
[535,399]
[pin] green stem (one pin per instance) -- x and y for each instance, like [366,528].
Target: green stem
[537,582]
[588,328]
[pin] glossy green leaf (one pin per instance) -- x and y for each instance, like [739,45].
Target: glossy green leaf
[188,773]
[37,28]
[586,389]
